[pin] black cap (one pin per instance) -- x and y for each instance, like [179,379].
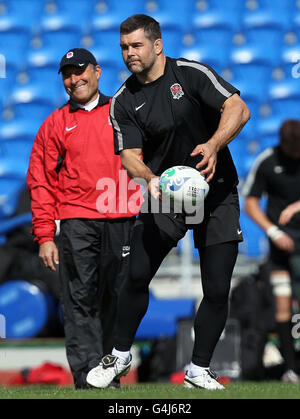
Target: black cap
[79,57]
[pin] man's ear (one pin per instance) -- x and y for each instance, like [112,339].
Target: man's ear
[99,71]
[158,46]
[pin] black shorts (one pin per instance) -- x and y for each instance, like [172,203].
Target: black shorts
[279,260]
[220,223]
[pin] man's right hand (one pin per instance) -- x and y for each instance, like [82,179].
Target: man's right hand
[49,254]
[153,186]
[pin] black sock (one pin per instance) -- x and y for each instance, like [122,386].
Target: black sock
[286,344]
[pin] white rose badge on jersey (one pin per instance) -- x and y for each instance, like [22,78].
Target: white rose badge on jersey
[177,91]
[185,188]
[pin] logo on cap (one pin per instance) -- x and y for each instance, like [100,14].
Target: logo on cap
[70,54]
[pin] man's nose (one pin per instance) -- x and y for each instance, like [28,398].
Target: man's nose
[74,78]
[130,50]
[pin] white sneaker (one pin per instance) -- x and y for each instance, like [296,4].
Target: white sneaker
[290,377]
[207,380]
[109,368]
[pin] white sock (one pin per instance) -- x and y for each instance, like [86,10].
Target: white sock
[124,356]
[195,370]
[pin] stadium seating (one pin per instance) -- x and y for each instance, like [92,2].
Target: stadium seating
[16,139]
[161,319]
[255,243]
[253,49]
[105,44]
[10,189]
[179,13]
[110,13]
[35,307]
[213,14]
[251,79]
[268,13]
[208,45]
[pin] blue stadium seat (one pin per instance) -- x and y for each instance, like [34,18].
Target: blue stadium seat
[10,189]
[177,14]
[38,109]
[280,110]
[268,127]
[18,129]
[275,14]
[17,136]
[78,11]
[22,8]
[290,55]
[296,14]
[255,243]
[258,47]
[61,29]
[26,308]
[32,91]
[210,46]
[19,149]
[162,317]
[106,45]
[109,81]
[47,74]
[110,13]
[10,74]
[288,87]
[44,57]
[13,167]
[267,141]
[19,13]
[251,79]
[61,39]
[172,37]
[15,38]
[31,100]
[243,158]
[286,107]
[213,14]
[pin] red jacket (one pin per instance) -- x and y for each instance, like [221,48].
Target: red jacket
[74,173]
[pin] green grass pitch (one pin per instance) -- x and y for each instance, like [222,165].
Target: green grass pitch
[158,391]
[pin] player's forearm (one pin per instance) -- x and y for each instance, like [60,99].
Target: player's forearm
[295,207]
[136,168]
[253,210]
[234,116]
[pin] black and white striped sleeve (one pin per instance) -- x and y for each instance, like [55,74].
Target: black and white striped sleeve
[126,132]
[205,83]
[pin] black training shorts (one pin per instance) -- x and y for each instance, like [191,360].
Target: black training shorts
[220,223]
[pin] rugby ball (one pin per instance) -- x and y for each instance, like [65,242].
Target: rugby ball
[183,185]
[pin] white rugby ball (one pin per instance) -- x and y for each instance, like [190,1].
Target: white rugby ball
[183,184]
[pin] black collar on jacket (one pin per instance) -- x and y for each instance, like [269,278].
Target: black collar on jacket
[103,100]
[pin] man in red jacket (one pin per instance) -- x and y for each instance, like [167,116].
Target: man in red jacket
[75,177]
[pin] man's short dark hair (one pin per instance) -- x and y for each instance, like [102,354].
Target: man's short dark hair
[290,134]
[139,21]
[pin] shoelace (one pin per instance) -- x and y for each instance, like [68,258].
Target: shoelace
[212,374]
[103,372]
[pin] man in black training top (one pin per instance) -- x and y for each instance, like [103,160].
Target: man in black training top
[175,112]
[276,173]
